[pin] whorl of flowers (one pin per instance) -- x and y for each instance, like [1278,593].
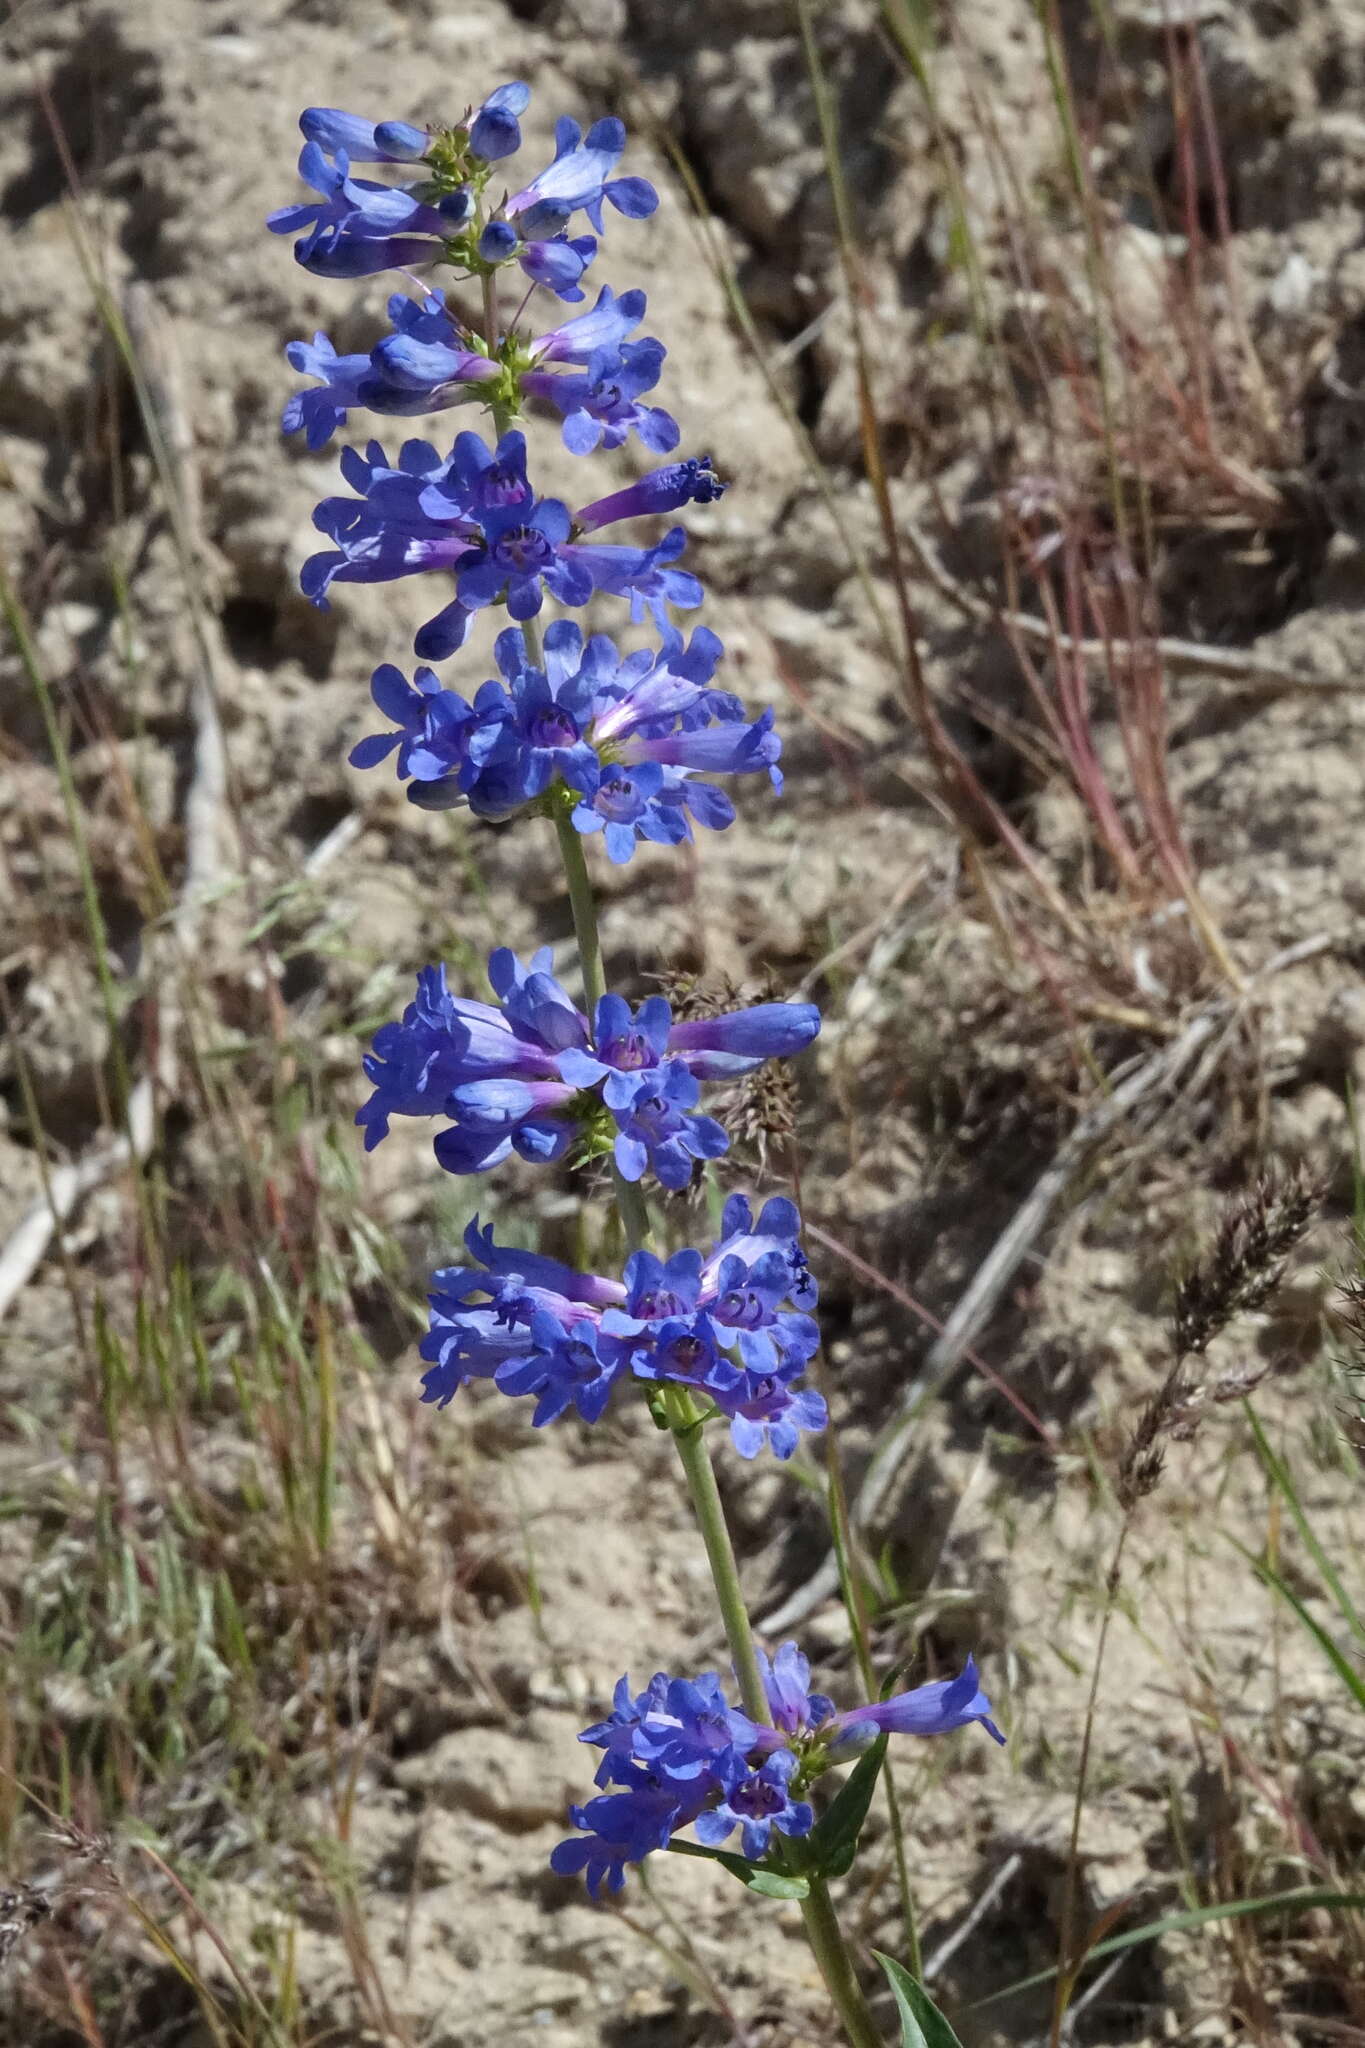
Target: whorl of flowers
[680,1755]
[732,1327]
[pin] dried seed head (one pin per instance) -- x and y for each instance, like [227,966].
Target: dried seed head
[1142,1456]
[760,1110]
[1239,1275]
[703,995]
[1139,1472]
[1247,1261]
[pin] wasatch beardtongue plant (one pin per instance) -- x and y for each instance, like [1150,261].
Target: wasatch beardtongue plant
[612,743]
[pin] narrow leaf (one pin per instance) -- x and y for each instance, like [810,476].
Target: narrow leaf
[769,1884]
[833,1843]
[922,2024]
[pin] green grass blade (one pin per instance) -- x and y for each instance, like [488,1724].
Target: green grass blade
[1336,1656]
[1302,1901]
[1280,1477]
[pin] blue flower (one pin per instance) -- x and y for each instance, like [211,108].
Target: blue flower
[494,131]
[575,1367]
[365,142]
[592,340]
[794,1707]
[421,367]
[415,1063]
[320,413]
[685,1757]
[722,1326]
[438,733]
[765,1413]
[531,1075]
[429,363]
[616,1734]
[656,1125]
[620,1828]
[776,1232]
[662,490]
[600,404]
[503,1313]
[688,1732]
[630,736]
[932,1709]
[556,261]
[657,1290]
[474,513]
[757,1801]
[601,407]
[580,178]
[357,226]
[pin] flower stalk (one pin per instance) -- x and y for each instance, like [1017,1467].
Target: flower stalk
[628,746]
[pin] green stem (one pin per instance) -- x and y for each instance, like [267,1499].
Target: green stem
[836,1967]
[629,1201]
[687,1429]
[580,897]
[490,322]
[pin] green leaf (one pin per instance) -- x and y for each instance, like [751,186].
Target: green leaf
[769,1884]
[833,1843]
[772,1884]
[1183,1923]
[922,2024]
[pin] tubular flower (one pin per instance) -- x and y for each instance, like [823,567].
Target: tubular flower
[585,368]
[684,1757]
[533,1075]
[356,226]
[727,1327]
[933,1709]
[633,737]
[475,514]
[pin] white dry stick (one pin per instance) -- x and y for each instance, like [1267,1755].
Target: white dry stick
[1133,1083]
[946,1950]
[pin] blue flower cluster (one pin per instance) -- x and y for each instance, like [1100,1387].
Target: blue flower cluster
[631,736]
[533,1075]
[586,369]
[357,226]
[475,514]
[732,1328]
[679,1755]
